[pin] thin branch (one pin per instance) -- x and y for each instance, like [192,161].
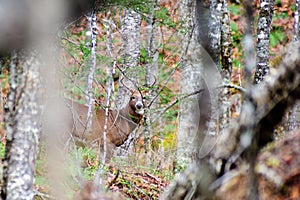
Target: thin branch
[68,40]
[241,89]
[175,102]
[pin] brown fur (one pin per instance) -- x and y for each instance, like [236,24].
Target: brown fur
[120,123]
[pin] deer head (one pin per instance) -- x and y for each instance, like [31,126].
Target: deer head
[136,104]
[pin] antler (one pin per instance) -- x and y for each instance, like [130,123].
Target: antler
[125,85]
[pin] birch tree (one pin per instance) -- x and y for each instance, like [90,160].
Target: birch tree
[23,128]
[221,50]
[131,27]
[263,40]
[194,111]
[215,19]
[226,44]
[226,64]
[92,42]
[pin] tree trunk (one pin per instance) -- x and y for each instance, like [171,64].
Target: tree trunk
[131,51]
[190,135]
[215,29]
[23,130]
[131,28]
[92,41]
[151,73]
[263,40]
[226,65]
[226,44]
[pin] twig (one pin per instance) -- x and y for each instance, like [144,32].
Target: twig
[79,63]
[68,40]
[176,101]
[234,87]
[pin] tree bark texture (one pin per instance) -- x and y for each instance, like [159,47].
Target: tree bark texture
[193,114]
[296,21]
[131,34]
[131,28]
[23,133]
[226,44]
[90,99]
[215,19]
[226,64]
[151,71]
[263,40]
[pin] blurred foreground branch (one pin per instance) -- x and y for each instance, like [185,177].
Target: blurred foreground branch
[260,115]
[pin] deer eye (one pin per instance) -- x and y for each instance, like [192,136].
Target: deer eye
[133,98]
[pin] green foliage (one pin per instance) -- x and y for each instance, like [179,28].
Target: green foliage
[141,6]
[143,56]
[277,2]
[164,18]
[236,33]
[2,150]
[88,159]
[235,9]
[280,15]
[277,36]
[85,50]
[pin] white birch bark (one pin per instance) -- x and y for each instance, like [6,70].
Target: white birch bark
[109,89]
[196,67]
[296,21]
[226,44]
[226,64]
[131,28]
[215,19]
[23,132]
[92,40]
[263,40]
[131,50]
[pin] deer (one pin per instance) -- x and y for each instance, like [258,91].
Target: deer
[119,125]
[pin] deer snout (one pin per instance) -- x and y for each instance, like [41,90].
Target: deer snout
[139,105]
[139,108]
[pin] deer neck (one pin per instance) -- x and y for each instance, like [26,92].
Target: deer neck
[132,118]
